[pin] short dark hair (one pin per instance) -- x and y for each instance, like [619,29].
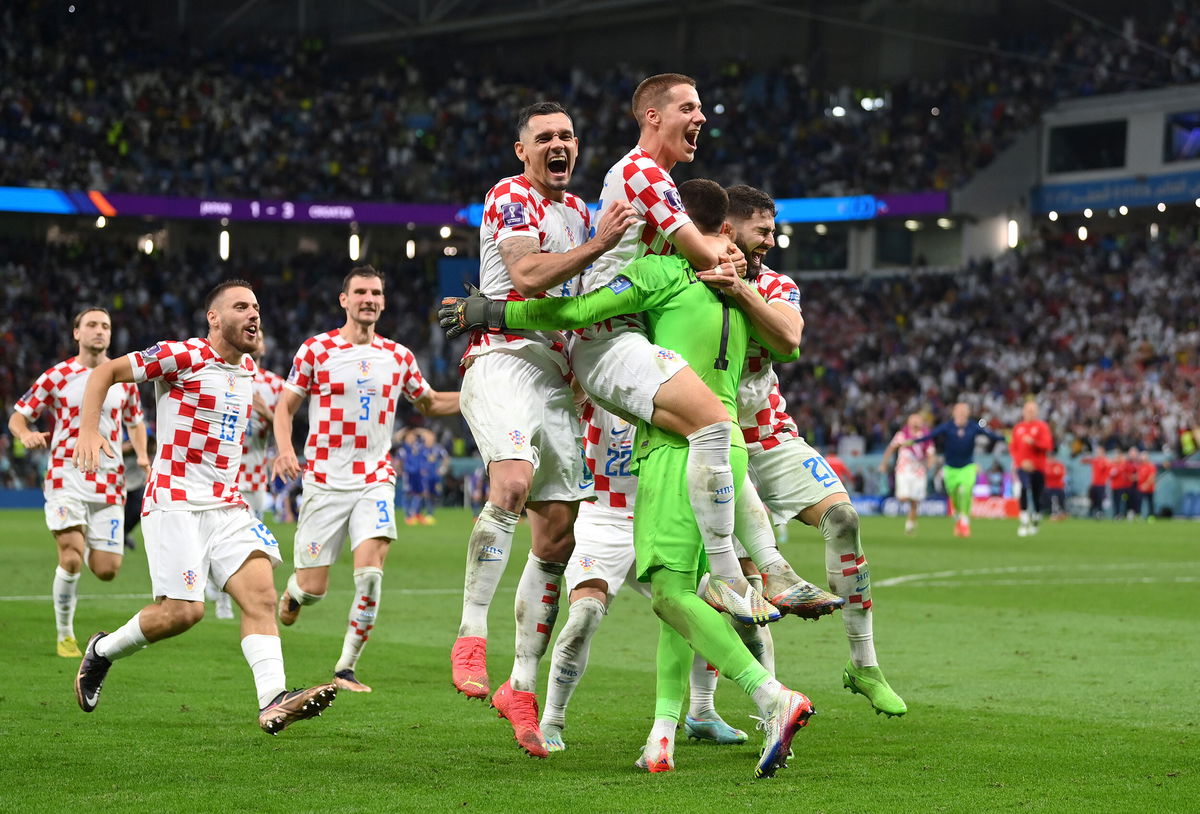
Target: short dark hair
[706,203]
[361,271]
[221,286]
[538,109]
[745,200]
[86,310]
[650,91]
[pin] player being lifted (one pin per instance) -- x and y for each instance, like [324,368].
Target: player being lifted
[84,511]
[693,321]
[626,374]
[195,521]
[356,378]
[517,400]
[793,479]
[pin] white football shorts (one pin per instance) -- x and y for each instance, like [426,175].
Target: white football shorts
[183,548]
[791,477]
[622,372]
[910,485]
[103,523]
[603,550]
[329,516]
[520,408]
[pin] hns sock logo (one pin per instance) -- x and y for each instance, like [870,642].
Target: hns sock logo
[724,494]
[490,553]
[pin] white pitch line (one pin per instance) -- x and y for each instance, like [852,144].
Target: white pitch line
[1035,582]
[1018,569]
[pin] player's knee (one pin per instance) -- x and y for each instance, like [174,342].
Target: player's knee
[106,573]
[70,561]
[510,493]
[840,522]
[181,616]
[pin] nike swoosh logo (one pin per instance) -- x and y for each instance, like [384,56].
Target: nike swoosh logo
[92,699]
[615,431]
[361,381]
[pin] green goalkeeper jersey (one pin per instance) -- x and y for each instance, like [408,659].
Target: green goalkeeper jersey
[682,315]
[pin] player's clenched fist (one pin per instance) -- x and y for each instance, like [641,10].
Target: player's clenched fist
[474,312]
[87,450]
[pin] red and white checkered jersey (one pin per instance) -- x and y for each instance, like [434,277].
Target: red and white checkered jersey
[252,474]
[911,460]
[61,389]
[639,180]
[762,411]
[203,411]
[354,391]
[513,208]
[608,449]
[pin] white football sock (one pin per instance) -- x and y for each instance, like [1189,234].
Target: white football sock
[124,641]
[766,695]
[752,527]
[710,489]
[570,657]
[299,594]
[704,684]
[65,588]
[536,609]
[850,577]
[487,555]
[663,728]
[368,587]
[757,638]
[264,654]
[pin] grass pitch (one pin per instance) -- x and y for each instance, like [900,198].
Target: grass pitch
[1054,673]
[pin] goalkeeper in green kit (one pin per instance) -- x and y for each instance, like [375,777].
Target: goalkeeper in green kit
[687,317]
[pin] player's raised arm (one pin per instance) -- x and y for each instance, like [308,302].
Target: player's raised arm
[91,443]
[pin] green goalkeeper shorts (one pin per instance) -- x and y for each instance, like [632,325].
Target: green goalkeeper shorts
[665,532]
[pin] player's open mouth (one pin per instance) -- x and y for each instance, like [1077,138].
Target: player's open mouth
[558,165]
[250,331]
[691,137]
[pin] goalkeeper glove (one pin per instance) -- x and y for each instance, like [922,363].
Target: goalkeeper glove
[474,312]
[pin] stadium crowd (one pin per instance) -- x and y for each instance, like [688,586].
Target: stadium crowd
[1104,333]
[105,107]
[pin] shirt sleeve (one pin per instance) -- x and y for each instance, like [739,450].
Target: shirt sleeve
[510,213]
[166,360]
[654,196]
[301,379]
[627,293]
[131,407]
[37,398]
[412,383]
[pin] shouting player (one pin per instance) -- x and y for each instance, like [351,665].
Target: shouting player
[355,378]
[84,511]
[517,400]
[195,521]
[695,322]
[793,479]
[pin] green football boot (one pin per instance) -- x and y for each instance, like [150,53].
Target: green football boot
[869,681]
